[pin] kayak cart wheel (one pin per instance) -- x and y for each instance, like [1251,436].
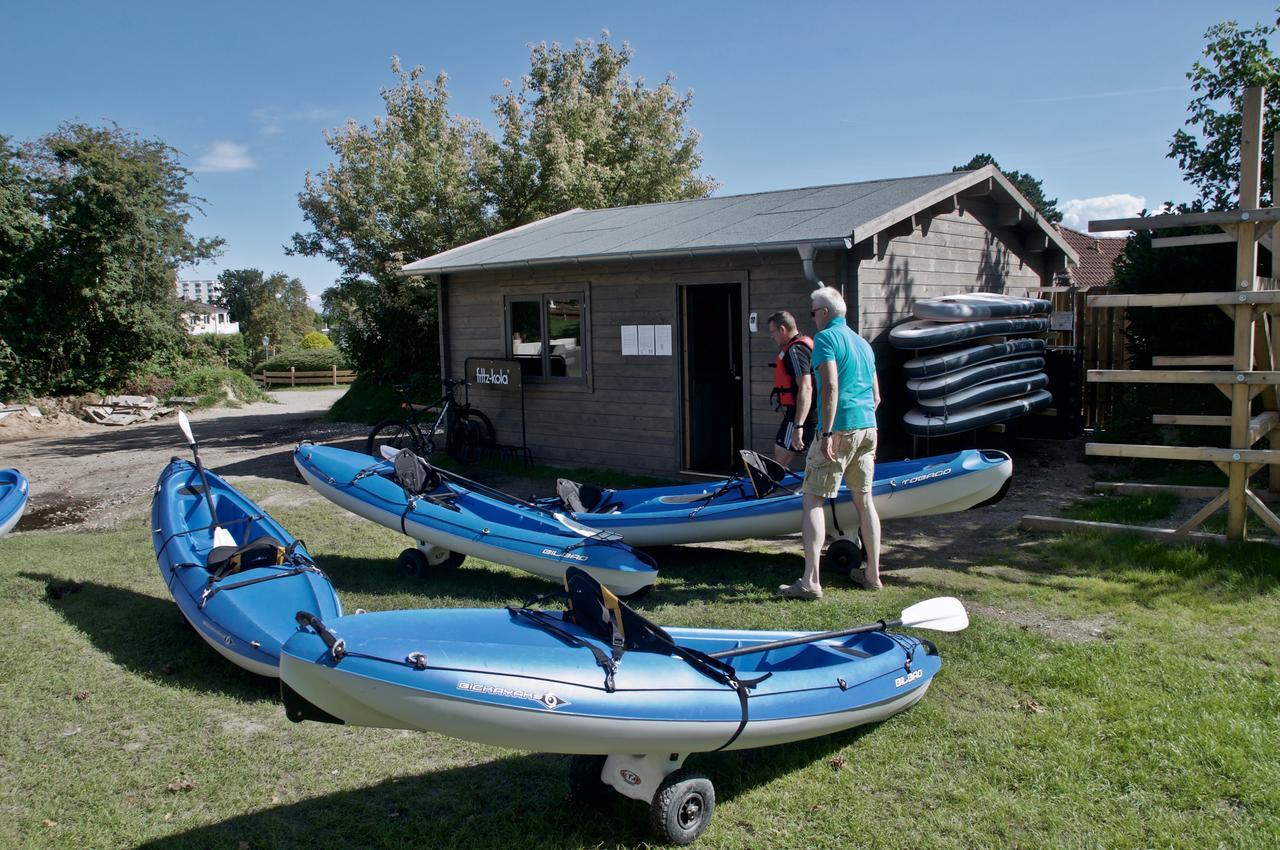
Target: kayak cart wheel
[414,564]
[449,561]
[843,557]
[682,807]
[586,787]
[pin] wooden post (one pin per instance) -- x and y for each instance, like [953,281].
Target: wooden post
[1246,278]
[1268,337]
[334,368]
[293,378]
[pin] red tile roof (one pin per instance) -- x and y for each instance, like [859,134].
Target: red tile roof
[1096,257]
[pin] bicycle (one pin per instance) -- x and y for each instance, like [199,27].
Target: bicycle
[466,431]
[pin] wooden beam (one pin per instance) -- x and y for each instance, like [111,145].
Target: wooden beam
[1168,222]
[1262,425]
[1234,457]
[1246,277]
[1262,511]
[1197,360]
[1195,520]
[1183,491]
[1165,376]
[1058,524]
[1199,239]
[1190,419]
[1186,299]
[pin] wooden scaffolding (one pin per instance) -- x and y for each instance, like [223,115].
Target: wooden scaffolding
[1254,308]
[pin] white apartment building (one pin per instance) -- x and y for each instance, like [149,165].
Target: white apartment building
[205,291]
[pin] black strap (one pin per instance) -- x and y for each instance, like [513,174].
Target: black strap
[543,621]
[212,589]
[835,520]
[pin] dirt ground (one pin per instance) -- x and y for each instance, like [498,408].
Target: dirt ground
[96,477]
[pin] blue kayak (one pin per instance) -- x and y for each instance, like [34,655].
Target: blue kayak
[240,598]
[763,500]
[14,493]
[452,518]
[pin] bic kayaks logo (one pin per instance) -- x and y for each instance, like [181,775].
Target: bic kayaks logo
[547,700]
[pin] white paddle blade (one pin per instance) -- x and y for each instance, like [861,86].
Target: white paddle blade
[185,424]
[943,614]
[388,452]
[222,537]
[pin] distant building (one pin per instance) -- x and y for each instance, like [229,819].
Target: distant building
[1097,257]
[204,318]
[204,291]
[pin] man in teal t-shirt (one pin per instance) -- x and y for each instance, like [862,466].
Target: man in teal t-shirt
[848,394]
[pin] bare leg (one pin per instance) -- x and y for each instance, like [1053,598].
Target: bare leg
[814,531]
[869,524]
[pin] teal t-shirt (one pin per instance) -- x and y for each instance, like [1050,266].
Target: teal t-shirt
[855,371]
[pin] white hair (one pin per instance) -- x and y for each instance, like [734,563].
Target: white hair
[830,298]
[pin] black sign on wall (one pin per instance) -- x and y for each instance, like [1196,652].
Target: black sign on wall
[494,374]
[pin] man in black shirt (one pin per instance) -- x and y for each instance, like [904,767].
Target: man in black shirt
[792,389]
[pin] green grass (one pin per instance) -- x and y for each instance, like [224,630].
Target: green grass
[1111,692]
[1130,510]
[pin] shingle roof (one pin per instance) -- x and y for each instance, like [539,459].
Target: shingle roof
[1096,257]
[762,221]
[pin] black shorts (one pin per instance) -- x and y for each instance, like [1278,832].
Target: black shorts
[788,428]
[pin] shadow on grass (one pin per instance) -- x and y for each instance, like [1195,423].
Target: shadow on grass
[149,637]
[517,800]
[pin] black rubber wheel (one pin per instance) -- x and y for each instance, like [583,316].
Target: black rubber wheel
[395,433]
[843,557]
[452,562]
[469,435]
[414,563]
[585,785]
[682,807]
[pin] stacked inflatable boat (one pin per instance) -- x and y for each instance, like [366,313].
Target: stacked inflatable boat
[977,364]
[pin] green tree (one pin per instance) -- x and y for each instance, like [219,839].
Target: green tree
[20,228]
[92,299]
[1030,187]
[274,306]
[580,132]
[1208,148]
[420,180]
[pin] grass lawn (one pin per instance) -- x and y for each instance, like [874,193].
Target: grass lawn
[1111,692]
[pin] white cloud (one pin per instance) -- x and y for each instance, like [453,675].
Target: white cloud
[1077,214]
[272,120]
[225,156]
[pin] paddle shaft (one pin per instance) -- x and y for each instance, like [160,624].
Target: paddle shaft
[213,516]
[878,626]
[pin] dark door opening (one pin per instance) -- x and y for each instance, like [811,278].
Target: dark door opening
[711,320]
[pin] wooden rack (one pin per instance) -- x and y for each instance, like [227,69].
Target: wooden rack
[1250,372]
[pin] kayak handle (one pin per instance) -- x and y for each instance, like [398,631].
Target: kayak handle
[337,646]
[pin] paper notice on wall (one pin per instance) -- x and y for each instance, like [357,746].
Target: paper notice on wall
[629,347]
[646,340]
[662,340]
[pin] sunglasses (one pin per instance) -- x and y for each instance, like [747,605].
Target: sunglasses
[814,313]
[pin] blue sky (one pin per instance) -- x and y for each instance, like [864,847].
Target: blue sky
[1083,95]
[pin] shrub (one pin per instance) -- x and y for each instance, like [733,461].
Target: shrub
[315,339]
[210,385]
[313,360]
[231,350]
[369,402]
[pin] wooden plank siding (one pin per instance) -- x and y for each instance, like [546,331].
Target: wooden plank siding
[627,414]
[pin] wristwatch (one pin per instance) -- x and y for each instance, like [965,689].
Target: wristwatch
[826,433]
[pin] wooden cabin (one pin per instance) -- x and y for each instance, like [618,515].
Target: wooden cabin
[641,331]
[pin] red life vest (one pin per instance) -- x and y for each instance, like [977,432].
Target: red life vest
[784,385]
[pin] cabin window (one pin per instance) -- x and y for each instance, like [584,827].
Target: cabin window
[546,333]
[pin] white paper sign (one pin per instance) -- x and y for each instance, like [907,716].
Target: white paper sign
[662,340]
[629,347]
[646,339]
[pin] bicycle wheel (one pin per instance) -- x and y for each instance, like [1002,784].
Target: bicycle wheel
[395,433]
[468,436]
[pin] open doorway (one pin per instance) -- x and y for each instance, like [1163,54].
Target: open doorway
[711,322]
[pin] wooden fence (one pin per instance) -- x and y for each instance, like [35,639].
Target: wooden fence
[293,377]
[1102,346]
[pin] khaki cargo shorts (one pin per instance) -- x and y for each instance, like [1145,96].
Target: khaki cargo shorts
[855,453]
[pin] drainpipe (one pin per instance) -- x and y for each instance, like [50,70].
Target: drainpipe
[808,251]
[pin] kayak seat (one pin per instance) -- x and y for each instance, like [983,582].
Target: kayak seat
[765,473]
[586,498]
[414,474]
[263,551]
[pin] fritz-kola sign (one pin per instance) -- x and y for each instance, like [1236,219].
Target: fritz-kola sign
[497,374]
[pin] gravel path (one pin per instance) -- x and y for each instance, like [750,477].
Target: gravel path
[98,478]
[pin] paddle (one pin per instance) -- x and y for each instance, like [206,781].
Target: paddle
[221,537]
[942,614]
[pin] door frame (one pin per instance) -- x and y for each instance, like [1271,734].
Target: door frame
[741,280]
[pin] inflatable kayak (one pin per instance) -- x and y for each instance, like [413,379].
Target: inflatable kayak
[983,393]
[598,679]
[978,305]
[15,491]
[240,598]
[951,361]
[922,424]
[451,518]
[925,334]
[764,499]
[961,379]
